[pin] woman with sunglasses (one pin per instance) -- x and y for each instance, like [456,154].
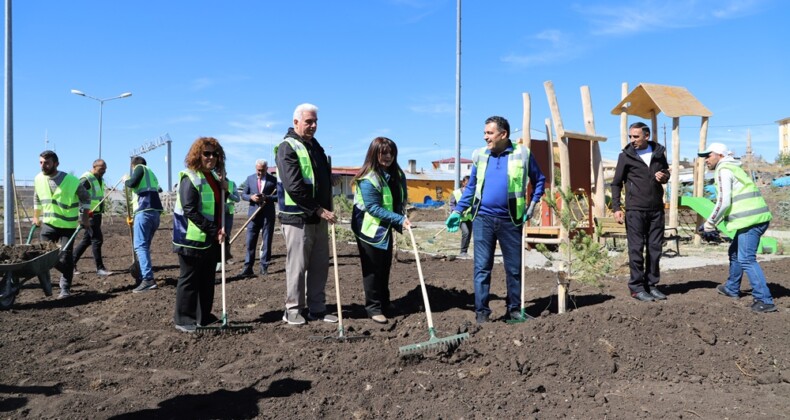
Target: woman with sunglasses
[379,202]
[198,231]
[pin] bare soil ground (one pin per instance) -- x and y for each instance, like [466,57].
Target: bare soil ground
[108,353]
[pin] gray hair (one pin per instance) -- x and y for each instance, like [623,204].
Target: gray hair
[302,108]
[261,162]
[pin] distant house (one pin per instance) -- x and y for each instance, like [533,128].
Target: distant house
[448,165]
[436,183]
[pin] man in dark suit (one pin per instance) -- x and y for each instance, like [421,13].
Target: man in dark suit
[261,191]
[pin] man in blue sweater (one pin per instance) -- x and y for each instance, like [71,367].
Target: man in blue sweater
[497,195]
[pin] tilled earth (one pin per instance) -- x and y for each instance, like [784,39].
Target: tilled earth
[108,353]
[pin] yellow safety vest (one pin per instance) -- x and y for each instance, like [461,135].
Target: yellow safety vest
[59,208]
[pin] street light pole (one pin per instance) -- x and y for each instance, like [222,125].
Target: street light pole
[101,107]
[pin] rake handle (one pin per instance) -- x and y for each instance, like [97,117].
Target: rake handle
[337,283]
[422,281]
[245,224]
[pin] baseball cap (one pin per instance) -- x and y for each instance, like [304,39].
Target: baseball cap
[719,148]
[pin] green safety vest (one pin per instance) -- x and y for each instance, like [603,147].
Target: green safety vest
[288,205]
[467,214]
[230,205]
[149,183]
[517,173]
[748,205]
[372,230]
[60,208]
[96,191]
[185,233]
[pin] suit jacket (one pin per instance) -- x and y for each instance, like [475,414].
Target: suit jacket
[269,193]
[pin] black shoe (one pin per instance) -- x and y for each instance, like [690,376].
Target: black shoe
[246,273]
[657,295]
[515,315]
[264,271]
[482,318]
[723,291]
[643,296]
[762,308]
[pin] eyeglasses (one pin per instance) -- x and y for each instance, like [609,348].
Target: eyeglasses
[208,154]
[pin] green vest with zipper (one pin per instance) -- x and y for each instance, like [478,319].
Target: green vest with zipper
[149,183]
[372,229]
[230,205]
[517,174]
[748,207]
[96,191]
[288,205]
[59,208]
[186,233]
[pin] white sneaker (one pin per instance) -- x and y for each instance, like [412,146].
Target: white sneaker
[102,272]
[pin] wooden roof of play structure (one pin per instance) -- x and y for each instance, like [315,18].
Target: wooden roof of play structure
[649,99]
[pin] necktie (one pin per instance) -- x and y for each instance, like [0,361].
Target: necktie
[260,185]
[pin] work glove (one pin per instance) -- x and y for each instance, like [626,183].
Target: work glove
[453,222]
[129,221]
[708,235]
[530,211]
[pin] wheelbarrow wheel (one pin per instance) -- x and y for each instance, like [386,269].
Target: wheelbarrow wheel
[8,291]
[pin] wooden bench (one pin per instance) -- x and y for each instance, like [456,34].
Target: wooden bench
[609,228]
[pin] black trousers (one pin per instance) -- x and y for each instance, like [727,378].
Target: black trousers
[645,233]
[376,263]
[65,262]
[195,288]
[95,239]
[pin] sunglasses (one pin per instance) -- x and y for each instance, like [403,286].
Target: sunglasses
[208,154]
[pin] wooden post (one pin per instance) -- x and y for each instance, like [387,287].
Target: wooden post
[525,127]
[565,174]
[623,118]
[552,189]
[562,143]
[699,174]
[599,190]
[674,179]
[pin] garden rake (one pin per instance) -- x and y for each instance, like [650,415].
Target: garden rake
[524,315]
[434,343]
[341,334]
[225,326]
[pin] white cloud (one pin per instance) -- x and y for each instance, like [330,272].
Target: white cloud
[550,46]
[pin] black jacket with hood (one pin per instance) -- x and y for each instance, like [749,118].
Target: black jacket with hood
[642,191]
[289,178]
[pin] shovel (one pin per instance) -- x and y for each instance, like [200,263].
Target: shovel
[524,317]
[134,269]
[434,343]
[341,332]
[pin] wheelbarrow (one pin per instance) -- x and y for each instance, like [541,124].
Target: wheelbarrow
[14,275]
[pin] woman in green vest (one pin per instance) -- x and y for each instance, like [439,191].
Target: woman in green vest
[379,202]
[198,231]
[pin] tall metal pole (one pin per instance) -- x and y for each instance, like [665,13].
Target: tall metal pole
[101,108]
[457,180]
[169,167]
[8,190]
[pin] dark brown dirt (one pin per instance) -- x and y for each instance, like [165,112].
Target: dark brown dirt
[11,254]
[108,353]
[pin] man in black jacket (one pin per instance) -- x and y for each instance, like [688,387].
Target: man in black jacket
[642,167]
[304,197]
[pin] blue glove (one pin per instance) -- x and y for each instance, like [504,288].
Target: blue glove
[453,222]
[530,211]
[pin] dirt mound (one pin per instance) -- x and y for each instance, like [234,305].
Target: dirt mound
[108,353]
[12,254]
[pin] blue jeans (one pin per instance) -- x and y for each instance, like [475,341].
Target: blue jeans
[486,231]
[145,225]
[743,252]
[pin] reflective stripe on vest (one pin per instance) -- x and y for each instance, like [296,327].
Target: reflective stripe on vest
[467,214]
[748,206]
[372,230]
[287,204]
[60,208]
[96,191]
[186,233]
[148,183]
[517,173]
[230,205]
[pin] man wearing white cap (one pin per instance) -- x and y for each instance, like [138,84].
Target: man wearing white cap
[742,209]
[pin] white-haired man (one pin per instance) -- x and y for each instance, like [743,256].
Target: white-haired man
[261,191]
[304,196]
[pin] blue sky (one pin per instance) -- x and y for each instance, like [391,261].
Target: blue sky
[235,70]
